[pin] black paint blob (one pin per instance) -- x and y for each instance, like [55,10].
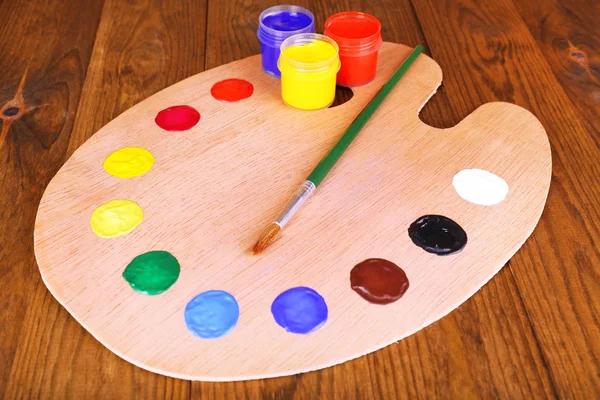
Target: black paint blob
[11,111]
[438,235]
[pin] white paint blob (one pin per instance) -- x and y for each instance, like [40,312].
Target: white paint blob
[480,187]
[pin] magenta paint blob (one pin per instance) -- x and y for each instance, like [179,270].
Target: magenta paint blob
[177,118]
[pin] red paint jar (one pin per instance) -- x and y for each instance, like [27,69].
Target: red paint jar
[358,36]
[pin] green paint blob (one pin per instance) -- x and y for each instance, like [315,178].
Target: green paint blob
[152,273]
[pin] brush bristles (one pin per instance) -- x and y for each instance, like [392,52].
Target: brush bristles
[268,236]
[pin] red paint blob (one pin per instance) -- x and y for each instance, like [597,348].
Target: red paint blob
[231,90]
[379,281]
[177,118]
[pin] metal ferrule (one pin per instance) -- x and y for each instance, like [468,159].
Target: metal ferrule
[303,193]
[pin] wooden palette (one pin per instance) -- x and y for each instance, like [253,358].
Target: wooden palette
[214,187]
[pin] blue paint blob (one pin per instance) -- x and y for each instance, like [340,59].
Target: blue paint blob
[299,310]
[212,314]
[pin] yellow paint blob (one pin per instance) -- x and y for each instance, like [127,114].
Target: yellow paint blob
[129,162]
[116,218]
[308,71]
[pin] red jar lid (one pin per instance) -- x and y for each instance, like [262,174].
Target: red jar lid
[356,33]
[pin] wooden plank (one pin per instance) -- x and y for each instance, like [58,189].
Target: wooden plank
[485,348]
[45,51]
[355,378]
[141,47]
[567,34]
[488,54]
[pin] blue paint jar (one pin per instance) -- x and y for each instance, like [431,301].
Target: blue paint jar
[276,24]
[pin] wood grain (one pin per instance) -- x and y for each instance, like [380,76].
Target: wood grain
[567,34]
[459,357]
[561,261]
[45,49]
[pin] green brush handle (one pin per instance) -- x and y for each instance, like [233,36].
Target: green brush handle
[323,168]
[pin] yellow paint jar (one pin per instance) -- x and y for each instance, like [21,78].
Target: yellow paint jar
[309,63]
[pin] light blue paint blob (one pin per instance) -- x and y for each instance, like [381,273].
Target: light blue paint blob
[212,314]
[299,310]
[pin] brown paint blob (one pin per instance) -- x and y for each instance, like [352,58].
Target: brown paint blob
[378,281]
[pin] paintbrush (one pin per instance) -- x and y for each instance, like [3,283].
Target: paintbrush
[325,165]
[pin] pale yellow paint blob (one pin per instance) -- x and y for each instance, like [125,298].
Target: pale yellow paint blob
[116,218]
[129,162]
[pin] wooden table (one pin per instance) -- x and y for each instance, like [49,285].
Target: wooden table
[532,331]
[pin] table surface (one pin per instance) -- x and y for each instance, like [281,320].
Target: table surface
[532,331]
